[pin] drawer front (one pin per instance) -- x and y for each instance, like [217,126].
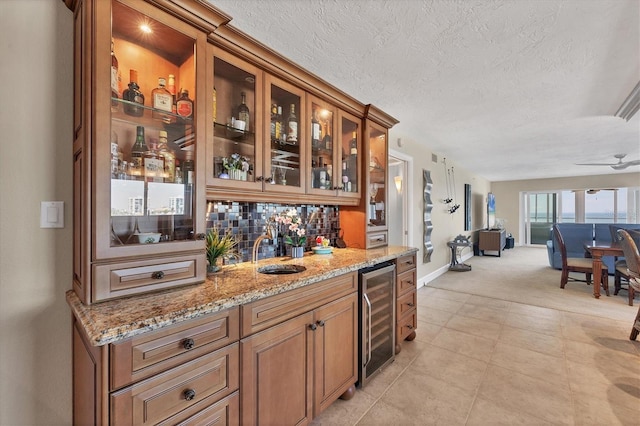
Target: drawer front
[142,356]
[405,263]
[223,413]
[405,326]
[124,279]
[406,282]
[177,394]
[405,304]
[376,239]
[273,310]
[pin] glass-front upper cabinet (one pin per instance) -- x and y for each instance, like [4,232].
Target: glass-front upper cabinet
[377,179]
[149,152]
[235,153]
[323,173]
[350,146]
[284,140]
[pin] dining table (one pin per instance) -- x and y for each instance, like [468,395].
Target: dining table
[596,250]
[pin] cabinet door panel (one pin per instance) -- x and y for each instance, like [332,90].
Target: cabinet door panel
[405,304]
[277,368]
[405,282]
[336,350]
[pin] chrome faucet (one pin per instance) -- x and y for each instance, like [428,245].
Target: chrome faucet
[256,245]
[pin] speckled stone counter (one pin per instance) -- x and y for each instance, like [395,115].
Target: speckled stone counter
[234,285]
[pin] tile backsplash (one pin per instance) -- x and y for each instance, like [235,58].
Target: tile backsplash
[247,221]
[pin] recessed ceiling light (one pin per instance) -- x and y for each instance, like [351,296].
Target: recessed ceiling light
[145,28]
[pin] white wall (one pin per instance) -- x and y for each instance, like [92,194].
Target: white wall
[508,193]
[35,165]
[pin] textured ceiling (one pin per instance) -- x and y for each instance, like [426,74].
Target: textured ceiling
[506,89]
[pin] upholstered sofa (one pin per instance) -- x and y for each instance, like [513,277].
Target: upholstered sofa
[576,234]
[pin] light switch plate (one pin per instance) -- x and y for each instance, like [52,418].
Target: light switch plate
[52,214]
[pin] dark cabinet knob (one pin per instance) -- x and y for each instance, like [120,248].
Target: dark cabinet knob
[410,327]
[313,327]
[200,236]
[158,275]
[321,323]
[188,344]
[410,304]
[189,394]
[269,180]
[259,178]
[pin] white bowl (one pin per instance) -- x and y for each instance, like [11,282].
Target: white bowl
[149,237]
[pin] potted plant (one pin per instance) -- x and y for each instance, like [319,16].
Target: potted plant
[218,246]
[294,231]
[236,166]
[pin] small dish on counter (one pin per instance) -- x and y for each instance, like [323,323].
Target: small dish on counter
[322,250]
[149,237]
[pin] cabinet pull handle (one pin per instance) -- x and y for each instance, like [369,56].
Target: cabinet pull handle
[189,394]
[410,327]
[158,275]
[313,327]
[269,180]
[188,343]
[410,304]
[200,236]
[259,178]
[321,323]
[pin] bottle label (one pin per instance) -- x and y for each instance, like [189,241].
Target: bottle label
[315,134]
[163,101]
[354,151]
[114,80]
[153,169]
[184,109]
[292,133]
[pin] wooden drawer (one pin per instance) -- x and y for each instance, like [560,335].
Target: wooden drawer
[405,282]
[376,239]
[142,356]
[223,413]
[179,393]
[405,263]
[405,304]
[405,325]
[124,279]
[273,310]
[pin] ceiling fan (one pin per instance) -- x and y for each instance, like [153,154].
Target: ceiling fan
[620,165]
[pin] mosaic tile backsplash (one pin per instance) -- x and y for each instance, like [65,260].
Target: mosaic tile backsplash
[247,221]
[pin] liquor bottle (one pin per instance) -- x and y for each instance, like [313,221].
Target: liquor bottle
[346,185]
[292,126]
[274,122]
[215,104]
[280,130]
[184,106]
[153,163]
[353,145]
[188,168]
[315,130]
[327,140]
[137,153]
[169,157]
[171,87]
[162,101]
[134,96]
[178,178]
[114,80]
[243,112]
[329,177]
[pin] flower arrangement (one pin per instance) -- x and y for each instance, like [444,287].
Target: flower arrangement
[236,162]
[290,219]
[322,241]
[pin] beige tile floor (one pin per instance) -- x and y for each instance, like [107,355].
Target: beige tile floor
[483,361]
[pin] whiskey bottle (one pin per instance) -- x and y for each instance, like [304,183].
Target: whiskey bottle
[327,140]
[171,87]
[353,145]
[162,101]
[114,80]
[134,96]
[274,122]
[280,130]
[184,106]
[315,130]
[243,112]
[153,163]
[137,153]
[292,126]
[169,157]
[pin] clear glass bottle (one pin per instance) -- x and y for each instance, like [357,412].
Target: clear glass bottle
[292,126]
[280,124]
[137,154]
[274,122]
[315,130]
[327,140]
[153,163]
[134,96]
[162,101]
[243,111]
[169,157]
[114,80]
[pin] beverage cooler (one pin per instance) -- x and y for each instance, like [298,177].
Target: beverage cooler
[377,313]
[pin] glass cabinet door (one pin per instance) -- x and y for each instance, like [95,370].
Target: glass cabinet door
[323,172]
[237,124]
[151,130]
[377,191]
[349,152]
[285,145]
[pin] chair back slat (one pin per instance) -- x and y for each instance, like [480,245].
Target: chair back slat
[561,244]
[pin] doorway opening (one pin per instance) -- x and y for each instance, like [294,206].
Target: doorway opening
[400,187]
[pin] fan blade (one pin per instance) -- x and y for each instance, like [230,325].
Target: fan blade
[597,164]
[624,165]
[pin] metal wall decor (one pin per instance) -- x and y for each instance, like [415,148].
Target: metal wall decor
[451,189]
[428,226]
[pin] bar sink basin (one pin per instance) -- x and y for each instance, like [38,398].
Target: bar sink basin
[281,269]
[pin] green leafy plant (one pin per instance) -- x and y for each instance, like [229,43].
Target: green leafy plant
[219,244]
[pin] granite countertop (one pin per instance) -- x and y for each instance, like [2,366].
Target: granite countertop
[114,320]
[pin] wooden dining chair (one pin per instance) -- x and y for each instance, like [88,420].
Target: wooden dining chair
[578,264]
[622,274]
[632,256]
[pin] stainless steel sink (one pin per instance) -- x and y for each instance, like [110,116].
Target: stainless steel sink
[281,269]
